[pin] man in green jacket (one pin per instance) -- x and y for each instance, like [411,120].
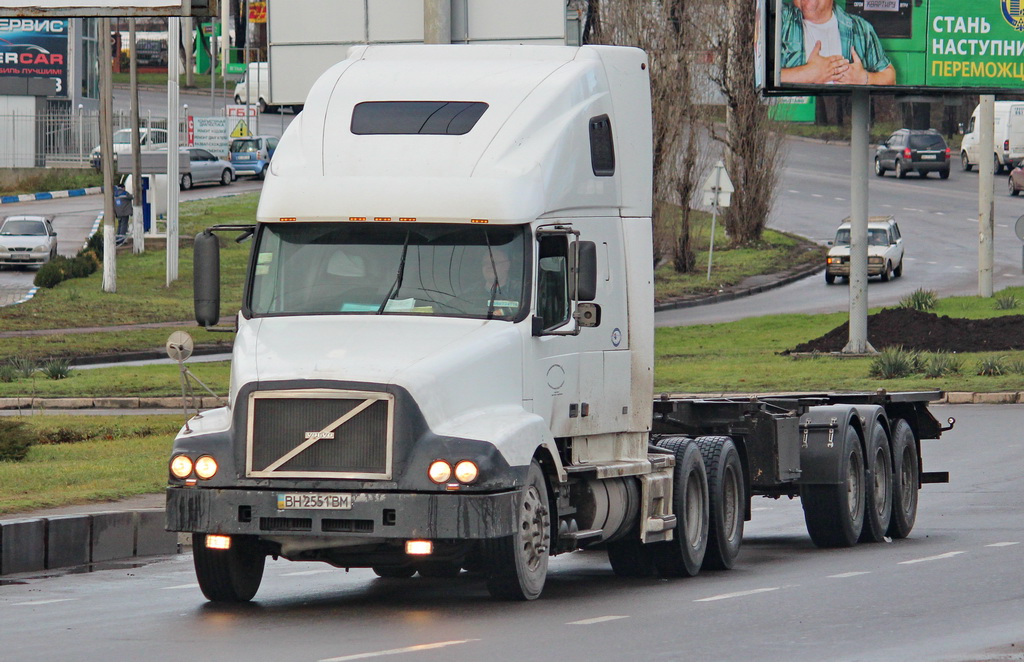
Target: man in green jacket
[821,44]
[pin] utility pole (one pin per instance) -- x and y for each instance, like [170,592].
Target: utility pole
[986,203]
[173,176]
[858,342]
[137,221]
[107,150]
[437,21]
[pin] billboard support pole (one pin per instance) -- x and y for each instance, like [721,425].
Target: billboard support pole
[173,174]
[986,203]
[858,342]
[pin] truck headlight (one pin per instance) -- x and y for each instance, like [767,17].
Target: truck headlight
[874,260]
[181,466]
[466,471]
[206,467]
[439,471]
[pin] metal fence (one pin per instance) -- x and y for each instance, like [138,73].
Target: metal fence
[57,138]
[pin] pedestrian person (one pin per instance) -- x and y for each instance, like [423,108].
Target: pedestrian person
[122,210]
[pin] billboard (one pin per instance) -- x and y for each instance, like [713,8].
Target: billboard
[35,48]
[941,45]
[54,8]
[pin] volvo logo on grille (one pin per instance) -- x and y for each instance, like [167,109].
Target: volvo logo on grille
[319,435]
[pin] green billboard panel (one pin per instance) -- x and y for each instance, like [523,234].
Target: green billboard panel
[975,45]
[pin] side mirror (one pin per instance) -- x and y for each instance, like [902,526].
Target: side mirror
[587,269]
[829,242]
[206,279]
[960,128]
[537,326]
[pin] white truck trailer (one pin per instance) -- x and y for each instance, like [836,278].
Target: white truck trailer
[444,358]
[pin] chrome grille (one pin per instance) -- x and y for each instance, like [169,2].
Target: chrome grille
[319,433]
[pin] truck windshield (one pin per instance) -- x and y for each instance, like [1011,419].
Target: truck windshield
[375,268]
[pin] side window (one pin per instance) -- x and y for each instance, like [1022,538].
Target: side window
[553,304]
[272,144]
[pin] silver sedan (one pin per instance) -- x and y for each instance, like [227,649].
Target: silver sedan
[27,240]
[206,168]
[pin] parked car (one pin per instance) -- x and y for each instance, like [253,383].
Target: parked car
[206,168]
[149,139]
[913,150]
[27,240]
[885,250]
[1016,179]
[251,156]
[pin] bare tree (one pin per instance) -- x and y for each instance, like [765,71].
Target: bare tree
[665,29]
[753,149]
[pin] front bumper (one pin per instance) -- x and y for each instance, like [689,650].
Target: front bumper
[844,269]
[374,515]
[248,167]
[23,259]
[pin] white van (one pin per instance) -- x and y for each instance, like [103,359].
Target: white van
[255,87]
[1008,146]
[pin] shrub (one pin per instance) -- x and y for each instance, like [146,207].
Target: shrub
[94,245]
[893,363]
[1006,302]
[63,435]
[942,364]
[53,272]
[993,366]
[1015,367]
[920,299]
[56,368]
[7,373]
[15,440]
[24,366]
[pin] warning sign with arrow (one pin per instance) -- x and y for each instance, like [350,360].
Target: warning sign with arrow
[241,130]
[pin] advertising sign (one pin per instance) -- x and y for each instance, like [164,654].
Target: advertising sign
[35,48]
[142,8]
[948,45]
[210,133]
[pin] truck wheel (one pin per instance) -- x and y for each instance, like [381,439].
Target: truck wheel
[905,480]
[631,558]
[965,162]
[878,492]
[830,278]
[519,563]
[394,572]
[834,514]
[900,172]
[228,575]
[439,569]
[726,501]
[683,555]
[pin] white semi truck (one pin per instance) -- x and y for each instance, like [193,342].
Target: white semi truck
[444,357]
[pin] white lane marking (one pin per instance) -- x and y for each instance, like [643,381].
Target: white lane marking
[1002,544]
[840,199]
[1002,225]
[398,651]
[738,594]
[302,573]
[912,209]
[931,262]
[42,602]
[817,195]
[793,191]
[937,557]
[844,575]
[599,619]
[179,587]
[939,213]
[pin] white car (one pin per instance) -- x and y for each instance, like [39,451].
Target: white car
[885,250]
[149,139]
[27,240]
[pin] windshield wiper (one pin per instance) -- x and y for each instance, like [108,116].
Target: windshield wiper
[397,285]
[494,285]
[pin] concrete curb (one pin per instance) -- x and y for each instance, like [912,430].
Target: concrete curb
[775,281]
[51,195]
[46,543]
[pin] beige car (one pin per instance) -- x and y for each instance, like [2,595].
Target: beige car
[885,250]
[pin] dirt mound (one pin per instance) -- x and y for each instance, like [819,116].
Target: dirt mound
[913,329]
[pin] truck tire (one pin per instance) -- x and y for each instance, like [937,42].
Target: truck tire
[906,477]
[631,558]
[834,514]
[519,563]
[726,501]
[228,575]
[878,487]
[394,572]
[683,555]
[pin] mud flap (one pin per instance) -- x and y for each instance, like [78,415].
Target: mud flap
[823,433]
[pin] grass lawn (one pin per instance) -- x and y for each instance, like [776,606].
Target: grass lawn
[111,457]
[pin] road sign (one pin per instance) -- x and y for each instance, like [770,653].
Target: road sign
[241,130]
[718,188]
[241,110]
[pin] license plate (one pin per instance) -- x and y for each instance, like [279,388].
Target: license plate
[242,157]
[928,157]
[314,501]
